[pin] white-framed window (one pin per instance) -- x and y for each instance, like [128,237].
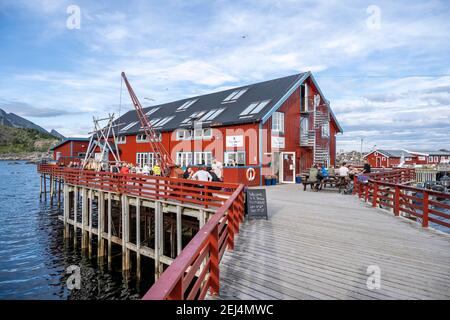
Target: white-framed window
[436,159]
[326,130]
[203,158]
[408,159]
[158,137]
[183,134]
[278,122]
[304,125]
[205,133]
[145,158]
[422,158]
[235,95]
[430,159]
[141,158]
[121,139]
[184,159]
[384,158]
[234,157]
[142,137]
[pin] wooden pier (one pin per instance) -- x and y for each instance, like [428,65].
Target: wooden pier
[142,214]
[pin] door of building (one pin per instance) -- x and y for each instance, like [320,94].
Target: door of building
[287,170]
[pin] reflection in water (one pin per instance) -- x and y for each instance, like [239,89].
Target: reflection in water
[34,256]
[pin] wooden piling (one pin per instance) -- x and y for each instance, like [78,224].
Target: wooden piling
[66,211]
[179,230]
[138,237]
[109,228]
[101,222]
[125,234]
[75,213]
[84,218]
[159,226]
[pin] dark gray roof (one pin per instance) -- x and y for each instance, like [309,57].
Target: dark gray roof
[68,140]
[394,153]
[272,90]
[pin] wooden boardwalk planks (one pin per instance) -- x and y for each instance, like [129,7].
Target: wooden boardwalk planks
[318,245]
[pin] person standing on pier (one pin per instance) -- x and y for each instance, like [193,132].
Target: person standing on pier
[217,168]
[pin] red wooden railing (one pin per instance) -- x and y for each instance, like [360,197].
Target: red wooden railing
[390,190]
[196,269]
[149,187]
[201,256]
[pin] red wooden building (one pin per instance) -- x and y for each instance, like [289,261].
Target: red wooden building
[70,149]
[277,127]
[393,158]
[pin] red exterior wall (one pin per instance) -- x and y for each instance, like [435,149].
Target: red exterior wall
[70,149]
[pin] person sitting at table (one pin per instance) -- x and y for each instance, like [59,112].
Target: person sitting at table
[343,170]
[313,176]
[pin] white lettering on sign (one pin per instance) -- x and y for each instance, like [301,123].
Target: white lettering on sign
[235,141]
[277,142]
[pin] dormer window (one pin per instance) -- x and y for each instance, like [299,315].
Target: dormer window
[234,95]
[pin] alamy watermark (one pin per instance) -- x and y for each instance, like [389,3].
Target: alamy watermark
[74,280]
[373,22]
[374,280]
[74,19]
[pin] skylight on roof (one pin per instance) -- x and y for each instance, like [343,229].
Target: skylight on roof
[186,105]
[163,121]
[154,121]
[255,107]
[210,115]
[129,126]
[152,111]
[194,116]
[235,95]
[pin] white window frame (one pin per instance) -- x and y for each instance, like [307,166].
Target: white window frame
[139,138]
[184,159]
[203,136]
[326,130]
[203,156]
[278,122]
[305,128]
[184,134]
[430,158]
[436,159]
[235,155]
[421,158]
[121,139]
[141,158]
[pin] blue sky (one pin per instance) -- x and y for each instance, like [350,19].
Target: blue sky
[386,72]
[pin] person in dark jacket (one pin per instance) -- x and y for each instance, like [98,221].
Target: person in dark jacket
[188,173]
[366,167]
[215,178]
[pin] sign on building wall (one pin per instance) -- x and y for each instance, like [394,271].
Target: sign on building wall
[277,142]
[235,141]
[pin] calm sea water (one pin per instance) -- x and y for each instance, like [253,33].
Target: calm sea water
[34,257]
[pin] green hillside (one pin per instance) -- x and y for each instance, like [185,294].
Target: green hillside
[20,140]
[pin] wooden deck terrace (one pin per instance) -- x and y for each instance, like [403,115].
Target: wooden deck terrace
[324,245]
[216,205]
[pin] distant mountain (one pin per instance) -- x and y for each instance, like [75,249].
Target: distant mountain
[13,120]
[56,134]
[22,140]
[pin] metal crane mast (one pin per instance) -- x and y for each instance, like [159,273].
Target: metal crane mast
[161,154]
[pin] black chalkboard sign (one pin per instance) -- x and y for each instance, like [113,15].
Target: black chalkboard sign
[256,203]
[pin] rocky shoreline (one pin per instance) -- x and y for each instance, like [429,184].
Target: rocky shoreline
[29,157]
